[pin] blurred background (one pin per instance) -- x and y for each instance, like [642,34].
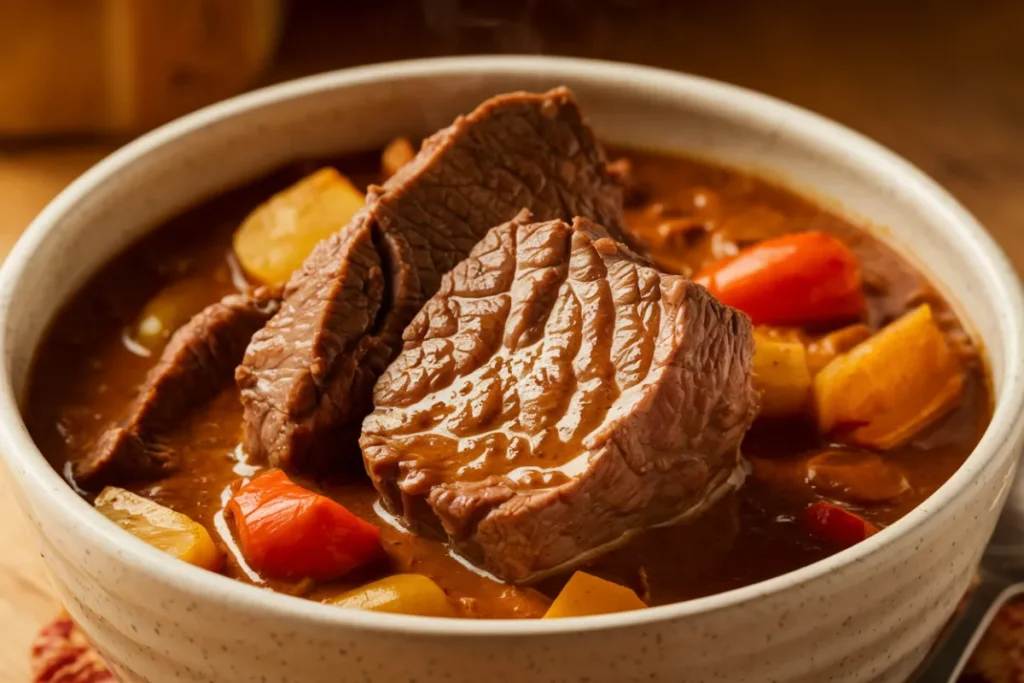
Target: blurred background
[940,82]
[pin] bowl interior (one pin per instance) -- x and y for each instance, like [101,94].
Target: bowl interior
[176,166]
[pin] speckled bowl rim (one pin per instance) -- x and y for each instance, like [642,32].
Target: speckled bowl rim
[42,483]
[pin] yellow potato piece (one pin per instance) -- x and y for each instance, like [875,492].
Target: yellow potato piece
[276,238]
[397,154]
[781,375]
[164,529]
[172,307]
[400,593]
[586,595]
[886,389]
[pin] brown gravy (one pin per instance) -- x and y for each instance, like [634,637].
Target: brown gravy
[694,212]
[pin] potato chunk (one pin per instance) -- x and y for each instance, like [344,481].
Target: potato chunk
[169,309]
[586,595]
[781,375]
[276,238]
[889,387]
[397,154]
[400,593]
[164,529]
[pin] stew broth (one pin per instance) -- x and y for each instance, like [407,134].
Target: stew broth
[690,212]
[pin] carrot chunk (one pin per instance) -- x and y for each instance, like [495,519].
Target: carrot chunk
[836,525]
[288,532]
[798,279]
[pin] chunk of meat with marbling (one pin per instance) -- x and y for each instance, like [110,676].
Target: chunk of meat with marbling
[307,377]
[557,396]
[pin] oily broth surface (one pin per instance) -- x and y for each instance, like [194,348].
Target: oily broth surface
[85,376]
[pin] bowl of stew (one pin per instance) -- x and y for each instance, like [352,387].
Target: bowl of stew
[509,368]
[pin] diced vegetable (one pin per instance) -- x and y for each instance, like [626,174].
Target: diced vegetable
[798,279]
[288,532]
[397,154]
[823,350]
[856,476]
[886,389]
[781,375]
[399,593]
[834,524]
[172,307]
[164,529]
[585,594]
[276,238]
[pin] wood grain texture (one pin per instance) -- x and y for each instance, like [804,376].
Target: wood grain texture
[941,83]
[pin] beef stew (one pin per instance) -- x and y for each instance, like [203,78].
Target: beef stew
[861,391]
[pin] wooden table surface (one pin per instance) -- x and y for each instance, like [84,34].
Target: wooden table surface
[940,83]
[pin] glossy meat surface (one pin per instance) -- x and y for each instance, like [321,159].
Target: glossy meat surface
[556,397]
[307,377]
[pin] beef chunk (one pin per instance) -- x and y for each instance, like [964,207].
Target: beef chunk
[307,378]
[555,397]
[197,362]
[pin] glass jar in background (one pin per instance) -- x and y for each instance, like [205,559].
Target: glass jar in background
[123,66]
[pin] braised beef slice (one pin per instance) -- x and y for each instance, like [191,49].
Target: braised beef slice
[555,397]
[197,362]
[307,378]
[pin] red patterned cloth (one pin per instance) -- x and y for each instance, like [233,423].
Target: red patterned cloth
[61,654]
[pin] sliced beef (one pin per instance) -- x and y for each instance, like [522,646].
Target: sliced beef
[198,361]
[307,378]
[556,396]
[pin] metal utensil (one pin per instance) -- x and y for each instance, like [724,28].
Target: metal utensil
[1002,577]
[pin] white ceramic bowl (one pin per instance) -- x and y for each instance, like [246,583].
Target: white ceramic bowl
[866,614]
